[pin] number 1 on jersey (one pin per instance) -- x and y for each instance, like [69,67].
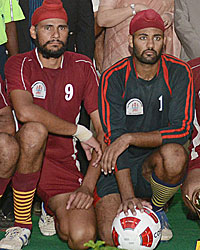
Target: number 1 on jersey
[161,103]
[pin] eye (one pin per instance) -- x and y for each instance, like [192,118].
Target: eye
[143,38]
[47,27]
[62,28]
[157,38]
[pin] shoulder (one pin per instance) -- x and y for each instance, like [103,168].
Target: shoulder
[175,64]
[77,60]
[19,62]
[195,63]
[20,58]
[73,56]
[118,66]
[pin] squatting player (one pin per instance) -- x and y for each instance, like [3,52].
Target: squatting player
[46,87]
[146,109]
[192,181]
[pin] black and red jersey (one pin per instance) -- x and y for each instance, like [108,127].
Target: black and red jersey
[129,104]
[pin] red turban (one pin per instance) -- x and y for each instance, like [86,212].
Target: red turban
[146,19]
[49,9]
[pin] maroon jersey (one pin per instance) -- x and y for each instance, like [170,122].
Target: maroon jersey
[60,91]
[195,144]
[3,99]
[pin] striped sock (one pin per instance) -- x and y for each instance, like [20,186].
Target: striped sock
[3,184]
[162,192]
[24,186]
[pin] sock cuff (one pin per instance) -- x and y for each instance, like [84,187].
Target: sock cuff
[158,181]
[25,182]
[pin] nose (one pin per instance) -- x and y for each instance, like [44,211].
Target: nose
[150,43]
[56,33]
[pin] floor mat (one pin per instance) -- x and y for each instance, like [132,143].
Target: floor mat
[186,232]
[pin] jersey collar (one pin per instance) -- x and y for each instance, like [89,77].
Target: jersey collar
[41,65]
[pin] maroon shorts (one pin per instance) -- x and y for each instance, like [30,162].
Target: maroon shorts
[57,178]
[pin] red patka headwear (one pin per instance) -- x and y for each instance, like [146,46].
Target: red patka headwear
[49,9]
[146,19]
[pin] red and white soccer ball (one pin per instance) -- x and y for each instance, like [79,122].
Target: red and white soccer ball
[136,232]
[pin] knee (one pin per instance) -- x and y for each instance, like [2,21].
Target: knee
[9,153]
[8,144]
[77,237]
[174,157]
[81,236]
[32,136]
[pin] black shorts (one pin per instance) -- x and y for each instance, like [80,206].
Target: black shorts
[107,184]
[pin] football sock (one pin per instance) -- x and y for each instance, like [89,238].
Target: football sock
[24,186]
[3,184]
[162,192]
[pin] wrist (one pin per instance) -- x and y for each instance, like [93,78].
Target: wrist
[82,133]
[127,197]
[127,138]
[89,186]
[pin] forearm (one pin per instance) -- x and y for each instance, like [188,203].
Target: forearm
[12,43]
[112,17]
[54,124]
[125,184]
[91,177]
[143,139]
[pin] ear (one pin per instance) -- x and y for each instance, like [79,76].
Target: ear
[33,32]
[130,41]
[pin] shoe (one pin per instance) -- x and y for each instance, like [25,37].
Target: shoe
[15,238]
[46,223]
[166,231]
[6,221]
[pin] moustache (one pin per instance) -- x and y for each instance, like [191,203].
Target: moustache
[52,41]
[149,50]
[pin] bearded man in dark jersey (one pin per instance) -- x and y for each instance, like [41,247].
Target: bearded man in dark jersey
[47,86]
[146,105]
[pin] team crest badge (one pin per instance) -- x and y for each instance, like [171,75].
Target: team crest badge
[39,90]
[134,107]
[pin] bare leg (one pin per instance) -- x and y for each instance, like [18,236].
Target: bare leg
[169,163]
[106,210]
[32,140]
[76,226]
[9,153]
[190,184]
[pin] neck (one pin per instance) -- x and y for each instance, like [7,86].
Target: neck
[51,63]
[146,71]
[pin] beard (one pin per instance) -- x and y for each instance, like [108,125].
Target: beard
[47,53]
[147,59]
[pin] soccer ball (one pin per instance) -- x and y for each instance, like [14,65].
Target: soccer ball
[136,232]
